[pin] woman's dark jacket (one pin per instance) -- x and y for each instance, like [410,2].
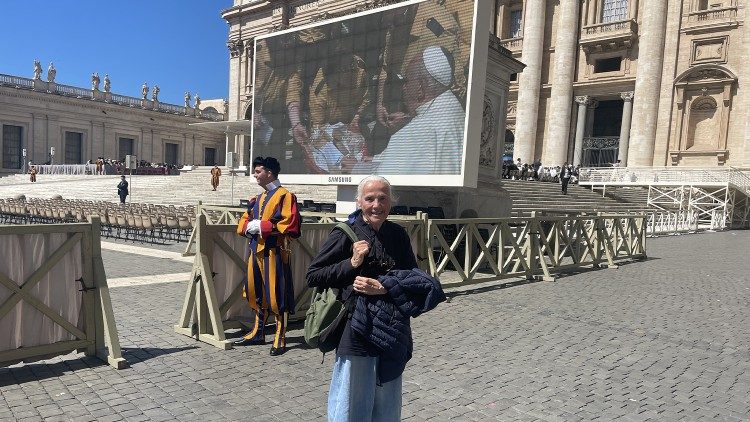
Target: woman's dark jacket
[384,319]
[390,249]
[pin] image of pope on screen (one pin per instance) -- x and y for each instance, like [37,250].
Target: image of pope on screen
[380,93]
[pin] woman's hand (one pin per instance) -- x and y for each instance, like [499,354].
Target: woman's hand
[360,249]
[368,286]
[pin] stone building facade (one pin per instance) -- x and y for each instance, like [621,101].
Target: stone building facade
[83,124]
[649,83]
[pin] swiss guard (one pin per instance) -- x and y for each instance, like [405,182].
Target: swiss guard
[271,221]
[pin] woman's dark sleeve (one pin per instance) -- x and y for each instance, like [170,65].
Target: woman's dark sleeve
[332,267]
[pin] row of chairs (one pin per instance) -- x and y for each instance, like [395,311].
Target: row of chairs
[137,222]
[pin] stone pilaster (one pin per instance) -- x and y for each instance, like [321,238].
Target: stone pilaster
[582,102]
[627,114]
[556,144]
[647,84]
[529,81]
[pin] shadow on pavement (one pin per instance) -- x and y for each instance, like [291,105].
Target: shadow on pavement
[41,370]
[504,284]
[142,354]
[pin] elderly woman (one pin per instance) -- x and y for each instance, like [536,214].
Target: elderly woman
[366,381]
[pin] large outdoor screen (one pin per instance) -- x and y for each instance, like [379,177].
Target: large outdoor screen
[383,92]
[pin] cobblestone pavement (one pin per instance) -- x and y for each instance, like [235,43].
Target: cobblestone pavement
[663,339]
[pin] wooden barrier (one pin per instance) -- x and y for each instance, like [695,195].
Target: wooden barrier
[54,297]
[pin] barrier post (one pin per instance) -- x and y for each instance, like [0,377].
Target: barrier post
[106,329]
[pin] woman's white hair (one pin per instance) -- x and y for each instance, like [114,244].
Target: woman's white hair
[373,179]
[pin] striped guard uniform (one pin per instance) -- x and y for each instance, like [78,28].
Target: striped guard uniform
[269,288]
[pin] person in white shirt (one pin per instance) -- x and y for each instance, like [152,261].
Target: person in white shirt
[432,142]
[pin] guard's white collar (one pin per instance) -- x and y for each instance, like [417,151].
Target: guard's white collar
[273,185]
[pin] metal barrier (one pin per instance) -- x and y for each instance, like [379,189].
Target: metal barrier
[54,297]
[487,249]
[718,195]
[457,251]
[665,222]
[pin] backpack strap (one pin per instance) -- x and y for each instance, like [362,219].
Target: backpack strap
[347,229]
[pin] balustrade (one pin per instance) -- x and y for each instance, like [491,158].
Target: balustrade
[125,100]
[16,81]
[72,91]
[713,14]
[77,92]
[170,108]
[513,44]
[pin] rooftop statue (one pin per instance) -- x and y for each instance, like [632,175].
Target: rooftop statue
[37,70]
[51,72]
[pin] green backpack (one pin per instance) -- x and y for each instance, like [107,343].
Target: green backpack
[325,319]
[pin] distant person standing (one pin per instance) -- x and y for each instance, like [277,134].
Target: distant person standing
[99,166]
[565,175]
[32,174]
[122,189]
[215,174]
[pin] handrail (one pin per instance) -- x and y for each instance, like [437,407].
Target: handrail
[664,175]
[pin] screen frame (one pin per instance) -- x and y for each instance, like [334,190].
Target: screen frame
[481,22]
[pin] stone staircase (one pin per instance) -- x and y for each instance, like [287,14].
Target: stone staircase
[531,196]
[636,195]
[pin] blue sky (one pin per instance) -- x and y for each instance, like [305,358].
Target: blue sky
[179,45]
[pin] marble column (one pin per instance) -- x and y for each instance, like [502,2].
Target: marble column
[647,84]
[566,46]
[530,80]
[582,102]
[627,114]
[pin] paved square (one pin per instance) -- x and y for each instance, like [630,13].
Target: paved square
[664,339]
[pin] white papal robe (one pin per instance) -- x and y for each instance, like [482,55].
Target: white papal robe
[431,143]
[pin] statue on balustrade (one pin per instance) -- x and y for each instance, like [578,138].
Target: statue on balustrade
[107,83]
[197,102]
[187,98]
[37,70]
[155,93]
[95,81]
[51,73]
[144,90]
